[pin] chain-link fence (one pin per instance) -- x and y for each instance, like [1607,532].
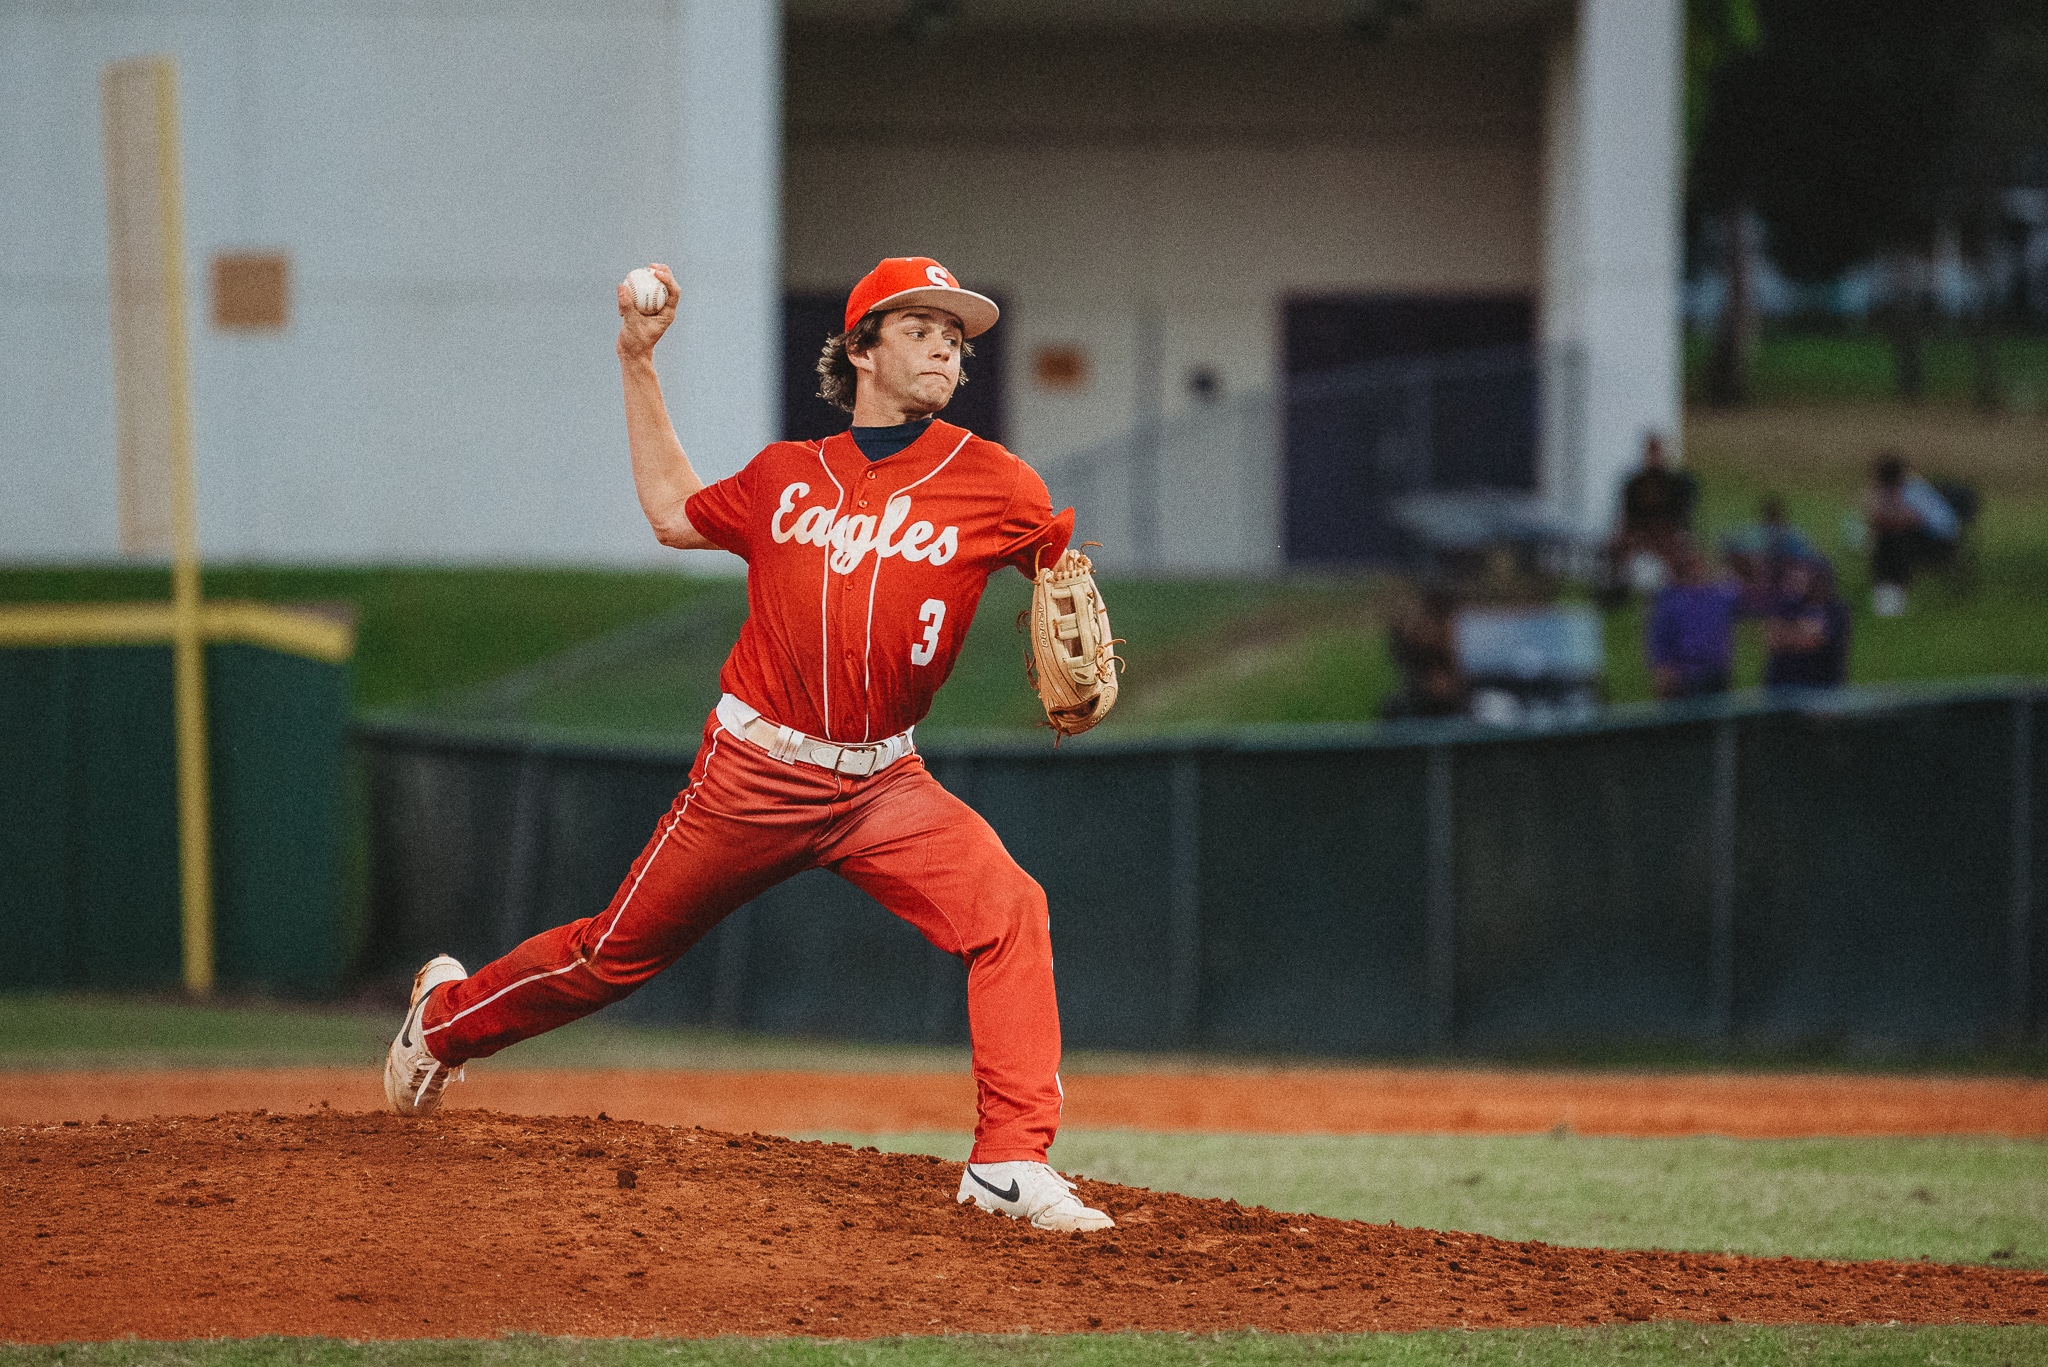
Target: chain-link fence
[1315,474]
[1860,865]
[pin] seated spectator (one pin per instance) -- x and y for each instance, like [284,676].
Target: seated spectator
[1808,629]
[1690,636]
[1758,554]
[1910,524]
[1656,510]
[1424,644]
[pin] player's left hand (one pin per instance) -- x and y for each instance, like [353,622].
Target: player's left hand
[638,332]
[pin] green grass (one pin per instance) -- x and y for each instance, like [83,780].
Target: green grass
[44,1031]
[50,1032]
[1197,652]
[1950,1199]
[1808,368]
[1644,1345]
[420,632]
[659,677]
[637,654]
[55,1031]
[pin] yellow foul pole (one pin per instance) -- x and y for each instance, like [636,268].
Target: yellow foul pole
[153,402]
[188,649]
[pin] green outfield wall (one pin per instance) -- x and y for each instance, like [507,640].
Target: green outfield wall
[89,827]
[1857,865]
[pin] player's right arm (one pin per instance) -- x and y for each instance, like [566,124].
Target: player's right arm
[662,474]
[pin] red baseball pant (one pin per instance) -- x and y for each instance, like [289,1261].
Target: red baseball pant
[746,822]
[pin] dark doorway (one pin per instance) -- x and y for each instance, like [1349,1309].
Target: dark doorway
[808,319]
[1397,394]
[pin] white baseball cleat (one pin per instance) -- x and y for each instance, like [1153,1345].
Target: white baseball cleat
[413,1078]
[1029,1191]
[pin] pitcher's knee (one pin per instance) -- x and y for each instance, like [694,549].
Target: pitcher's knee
[1018,913]
[604,973]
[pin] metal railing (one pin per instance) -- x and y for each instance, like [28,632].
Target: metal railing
[1311,474]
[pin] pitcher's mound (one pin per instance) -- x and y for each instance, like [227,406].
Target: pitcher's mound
[474,1224]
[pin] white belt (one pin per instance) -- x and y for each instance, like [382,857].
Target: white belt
[792,746]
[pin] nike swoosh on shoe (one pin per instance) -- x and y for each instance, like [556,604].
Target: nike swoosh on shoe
[411,1018]
[1016,1188]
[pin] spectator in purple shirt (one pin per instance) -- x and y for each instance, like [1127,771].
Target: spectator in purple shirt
[1691,633]
[1808,630]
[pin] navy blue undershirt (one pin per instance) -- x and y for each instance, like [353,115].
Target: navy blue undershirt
[879,443]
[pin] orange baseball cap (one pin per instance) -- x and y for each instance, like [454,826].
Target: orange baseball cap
[901,282]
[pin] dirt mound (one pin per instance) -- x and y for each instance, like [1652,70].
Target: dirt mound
[474,1224]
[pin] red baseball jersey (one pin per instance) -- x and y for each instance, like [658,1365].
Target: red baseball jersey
[862,576]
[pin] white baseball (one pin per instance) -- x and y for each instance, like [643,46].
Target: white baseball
[649,294]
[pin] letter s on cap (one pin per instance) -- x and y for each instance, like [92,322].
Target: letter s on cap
[937,275]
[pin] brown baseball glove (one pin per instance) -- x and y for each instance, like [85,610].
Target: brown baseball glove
[1072,661]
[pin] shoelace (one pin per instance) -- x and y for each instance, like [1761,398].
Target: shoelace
[423,1078]
[1071,1188]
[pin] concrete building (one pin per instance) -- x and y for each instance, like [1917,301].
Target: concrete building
[1194,212]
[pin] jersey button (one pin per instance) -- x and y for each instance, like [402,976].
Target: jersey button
[872,474]
[863,503]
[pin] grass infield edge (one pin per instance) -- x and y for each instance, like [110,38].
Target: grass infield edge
[1641,1345]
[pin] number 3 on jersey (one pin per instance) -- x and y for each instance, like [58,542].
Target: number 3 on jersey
[932,614]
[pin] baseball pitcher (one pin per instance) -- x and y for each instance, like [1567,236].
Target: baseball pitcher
[866,555]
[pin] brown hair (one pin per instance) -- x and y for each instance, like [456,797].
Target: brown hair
[837,379]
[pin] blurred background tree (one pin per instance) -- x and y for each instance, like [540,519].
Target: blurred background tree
[1879,133]
[1716,33]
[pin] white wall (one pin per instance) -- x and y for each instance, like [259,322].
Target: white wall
[458,186]
[1196,181]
